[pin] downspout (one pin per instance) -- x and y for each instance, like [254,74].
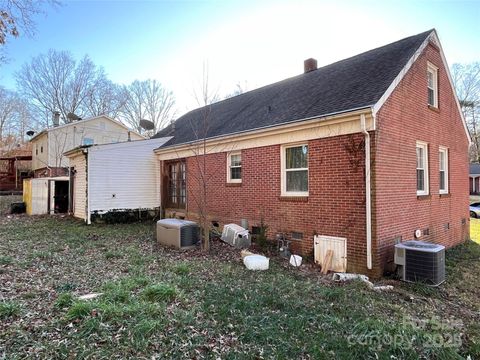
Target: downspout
[368,191]
[87,187]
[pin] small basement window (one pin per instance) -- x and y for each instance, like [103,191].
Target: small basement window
[234,167]
[297,235]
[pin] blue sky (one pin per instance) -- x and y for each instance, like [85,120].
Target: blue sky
[251,42]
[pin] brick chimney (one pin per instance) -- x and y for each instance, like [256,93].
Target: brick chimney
[309,65]
[56,118]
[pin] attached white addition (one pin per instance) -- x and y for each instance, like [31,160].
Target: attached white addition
[234,167]
[422,168]
[443,169]
[294,177]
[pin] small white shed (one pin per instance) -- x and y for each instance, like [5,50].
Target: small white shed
[115,177]
[46,195]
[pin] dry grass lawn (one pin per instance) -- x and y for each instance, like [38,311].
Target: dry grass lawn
[160,303]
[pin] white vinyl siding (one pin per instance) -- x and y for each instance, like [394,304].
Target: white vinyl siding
[124,176]
[443,170]
[422,168]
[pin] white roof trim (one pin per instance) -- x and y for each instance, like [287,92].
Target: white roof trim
[147,143]
[434,38]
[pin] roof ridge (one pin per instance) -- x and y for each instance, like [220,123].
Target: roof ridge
[355,82]
[301,74]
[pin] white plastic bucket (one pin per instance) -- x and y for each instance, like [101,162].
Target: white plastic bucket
[295,260]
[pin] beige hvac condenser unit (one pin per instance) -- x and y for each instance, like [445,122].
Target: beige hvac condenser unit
[181,234]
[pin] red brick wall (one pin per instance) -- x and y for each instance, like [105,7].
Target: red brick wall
[50,172]
[335,206]
[404,119]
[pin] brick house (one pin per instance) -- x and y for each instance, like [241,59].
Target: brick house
[474,179]
[368,149]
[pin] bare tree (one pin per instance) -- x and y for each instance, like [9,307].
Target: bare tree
[56,82]
[8,106]
[148,100]
[23,120]
[17,18]
[14,118]
[239,89]
[201,174]
[466,79]
[104,98]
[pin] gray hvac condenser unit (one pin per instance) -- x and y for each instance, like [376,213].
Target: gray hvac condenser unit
[181,234]
[420,261]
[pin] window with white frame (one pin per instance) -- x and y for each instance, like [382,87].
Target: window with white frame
[234,167]
[422,168]
[294,170]
[432,85]
[443,170]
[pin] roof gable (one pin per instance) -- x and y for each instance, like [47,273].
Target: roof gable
[83,121]
[432,37]
[354,83]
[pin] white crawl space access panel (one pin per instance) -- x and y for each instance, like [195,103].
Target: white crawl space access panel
[321,245]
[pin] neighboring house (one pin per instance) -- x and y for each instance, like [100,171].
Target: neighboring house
[366,150]
[13,169]
[49,145]
[474,179]
[15,165]
[114,178]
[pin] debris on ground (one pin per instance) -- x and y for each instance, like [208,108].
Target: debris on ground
[245,252]
[349,277]
[256,262]
[296,260]
[90,296]
[327,262]
[236,236]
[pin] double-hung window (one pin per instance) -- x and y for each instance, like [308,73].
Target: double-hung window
[443,170]
[294,170]
[422,168]
[432,85]
[234,167]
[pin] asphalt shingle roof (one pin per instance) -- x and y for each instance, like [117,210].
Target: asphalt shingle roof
[353,83]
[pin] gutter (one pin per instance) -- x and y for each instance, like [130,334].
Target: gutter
[368,192]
